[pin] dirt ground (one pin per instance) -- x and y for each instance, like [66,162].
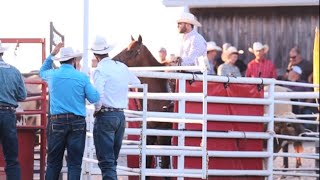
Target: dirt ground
[309,147]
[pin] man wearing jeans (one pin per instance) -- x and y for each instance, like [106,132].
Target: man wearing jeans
[68,89]
[111,78]
[12,90]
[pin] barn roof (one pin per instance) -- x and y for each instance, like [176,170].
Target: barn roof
[237,3]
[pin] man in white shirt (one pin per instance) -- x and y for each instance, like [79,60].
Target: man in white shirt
[193,44]
[111,79]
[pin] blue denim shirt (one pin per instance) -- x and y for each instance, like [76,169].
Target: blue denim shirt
[68,88]
[12,88]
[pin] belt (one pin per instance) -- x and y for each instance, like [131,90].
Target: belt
[7,108]
[110,109]
[65,116]
[196,72]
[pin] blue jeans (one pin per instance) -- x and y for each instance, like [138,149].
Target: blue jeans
[9,141]
[62,134]
[107,135]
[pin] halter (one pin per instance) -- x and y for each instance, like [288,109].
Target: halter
[133,53]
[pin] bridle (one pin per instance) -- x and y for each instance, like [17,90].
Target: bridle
[134,53]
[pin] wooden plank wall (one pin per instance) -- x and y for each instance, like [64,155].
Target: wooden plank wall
[280,27]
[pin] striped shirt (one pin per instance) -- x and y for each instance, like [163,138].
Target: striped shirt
[263,68]
[193,46]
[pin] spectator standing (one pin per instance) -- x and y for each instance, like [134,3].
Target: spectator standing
[228,68]
[66,129]
[212,51]
[12,90]
[260,66]
[295,59]
[239,63]
[111,79]
[163,55]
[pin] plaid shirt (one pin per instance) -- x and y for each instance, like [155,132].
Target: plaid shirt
[264,66]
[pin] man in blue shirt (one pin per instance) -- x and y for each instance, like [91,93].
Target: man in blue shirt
[12,90]
[68,89]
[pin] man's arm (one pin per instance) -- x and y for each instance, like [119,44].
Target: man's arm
[99,84]
[47,65]
[91,93]
[133,79]
[21,89]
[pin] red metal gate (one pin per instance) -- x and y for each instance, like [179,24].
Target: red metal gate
[27,133]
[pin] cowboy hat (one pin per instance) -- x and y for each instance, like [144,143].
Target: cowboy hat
[212,46]
[188,18]
[257,46]
[225,46]
[101,46]
[3,48]
[67,53]
[230,50]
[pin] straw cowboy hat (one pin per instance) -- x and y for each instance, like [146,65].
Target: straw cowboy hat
[3,48]
[67,53]
[257,46]
[188,18]
[212,46]
[230,50]
[101,46]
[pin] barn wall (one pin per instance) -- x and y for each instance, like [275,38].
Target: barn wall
[280,27]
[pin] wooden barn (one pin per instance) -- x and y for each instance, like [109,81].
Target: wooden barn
[282,24]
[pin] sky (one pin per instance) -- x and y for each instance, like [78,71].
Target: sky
[117,20]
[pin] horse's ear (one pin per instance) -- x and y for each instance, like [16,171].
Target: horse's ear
[132,39]
[140,39]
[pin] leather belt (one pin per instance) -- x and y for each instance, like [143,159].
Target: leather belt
[110,109]
[7,108]
[65,116]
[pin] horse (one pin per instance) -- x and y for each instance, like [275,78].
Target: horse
[138,55]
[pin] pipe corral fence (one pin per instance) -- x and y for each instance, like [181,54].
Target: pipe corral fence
[270,99]
[180,151]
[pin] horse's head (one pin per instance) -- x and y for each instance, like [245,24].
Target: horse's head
[137,55]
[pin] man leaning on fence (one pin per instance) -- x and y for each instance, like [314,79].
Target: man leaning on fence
[12,90]
[68,89]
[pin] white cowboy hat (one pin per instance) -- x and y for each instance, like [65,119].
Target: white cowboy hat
[258,46]
[212,46]
[101,46]
[230,50]
[3,48]
[188,18]
[67,53]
